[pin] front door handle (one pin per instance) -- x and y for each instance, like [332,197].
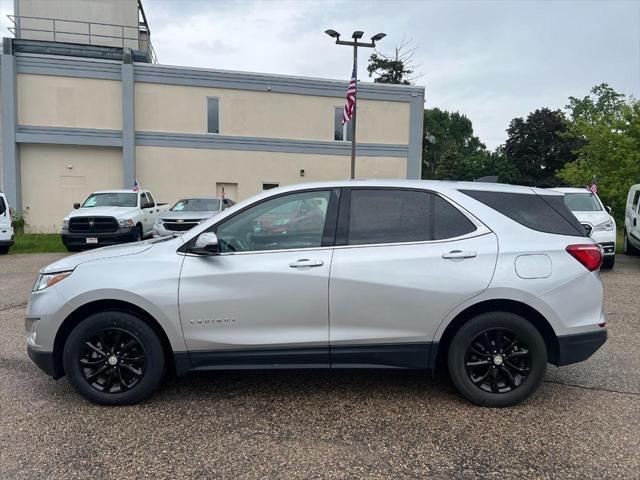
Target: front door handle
[306,263]
[459,255]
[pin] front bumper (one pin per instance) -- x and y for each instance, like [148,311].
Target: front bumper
[578,347]
[45,361]
[123,235]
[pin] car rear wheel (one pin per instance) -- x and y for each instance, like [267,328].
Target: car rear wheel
[114,358]
[497,359]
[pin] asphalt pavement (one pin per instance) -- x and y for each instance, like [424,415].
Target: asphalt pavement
[584,422]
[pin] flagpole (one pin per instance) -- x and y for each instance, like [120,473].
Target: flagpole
[355,110]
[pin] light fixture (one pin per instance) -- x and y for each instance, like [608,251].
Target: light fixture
[332,33]
[357,35]
[378,36]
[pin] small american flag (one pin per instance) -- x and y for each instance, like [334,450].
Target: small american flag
[350,103]
[136,186]
[593,188]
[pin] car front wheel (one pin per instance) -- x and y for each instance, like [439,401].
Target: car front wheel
[114,358]
[497,359]
[627,247]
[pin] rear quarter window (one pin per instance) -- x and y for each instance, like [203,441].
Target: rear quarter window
[543,213]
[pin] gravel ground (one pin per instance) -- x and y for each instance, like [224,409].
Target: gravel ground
[584,422]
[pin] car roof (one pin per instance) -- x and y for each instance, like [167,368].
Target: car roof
[572,190]
[122,190]
[421,184]
[200,198]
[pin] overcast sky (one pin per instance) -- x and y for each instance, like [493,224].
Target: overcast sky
[491,60]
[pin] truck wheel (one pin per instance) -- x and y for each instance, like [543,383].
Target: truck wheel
[497,359]
[608,262]
[114,358]
[137,234]
[627,247]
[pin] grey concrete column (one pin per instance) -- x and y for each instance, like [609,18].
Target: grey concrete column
[12,186]
[416,121]
[128,122]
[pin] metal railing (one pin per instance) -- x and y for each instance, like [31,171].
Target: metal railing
[90,33]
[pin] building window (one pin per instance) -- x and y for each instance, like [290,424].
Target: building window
[341,133]
[269,186]
[213,115]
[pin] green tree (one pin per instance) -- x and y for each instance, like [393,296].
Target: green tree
[607,125]
[394,68]
[538,147]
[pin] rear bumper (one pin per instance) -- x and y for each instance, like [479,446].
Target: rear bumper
[80,239]
[578,347]
[6,243]
[44,360]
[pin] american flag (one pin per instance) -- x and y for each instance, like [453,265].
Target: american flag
[593,188]
[136,186]
[350,103]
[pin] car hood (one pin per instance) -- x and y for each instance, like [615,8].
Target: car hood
[71,262]
[594,218]
[172,215]
[118,212]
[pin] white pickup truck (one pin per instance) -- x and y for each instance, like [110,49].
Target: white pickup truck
[109,217]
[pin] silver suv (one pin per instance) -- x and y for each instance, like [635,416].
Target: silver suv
[490,281]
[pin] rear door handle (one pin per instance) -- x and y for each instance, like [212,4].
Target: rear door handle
[306,263]
[459,255]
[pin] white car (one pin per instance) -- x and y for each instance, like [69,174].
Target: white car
[6,230]
[109,217]
[632,222]
[490,281]
[187,213]
[595,218]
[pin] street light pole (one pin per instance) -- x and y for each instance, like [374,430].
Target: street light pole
[357,35]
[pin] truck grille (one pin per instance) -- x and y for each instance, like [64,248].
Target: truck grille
[180,226]
[93,225]
[587,228]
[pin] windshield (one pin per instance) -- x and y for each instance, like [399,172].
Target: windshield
[111,200]
[582,202]
[197,205]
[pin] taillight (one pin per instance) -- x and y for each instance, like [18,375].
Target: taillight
[587,254]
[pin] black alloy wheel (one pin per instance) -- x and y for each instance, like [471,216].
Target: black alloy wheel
[498,361]
[114,358]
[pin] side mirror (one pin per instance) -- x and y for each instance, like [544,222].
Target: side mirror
[76,206]
[608,210]
[206,244]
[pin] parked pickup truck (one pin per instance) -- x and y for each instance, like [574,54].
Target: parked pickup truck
[109,217]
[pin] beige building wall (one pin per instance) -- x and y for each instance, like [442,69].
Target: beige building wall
[69,102]
[173,173]
[54,177]
[68,12]
[183,109]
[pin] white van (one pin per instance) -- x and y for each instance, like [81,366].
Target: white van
[6,230]
[632,222]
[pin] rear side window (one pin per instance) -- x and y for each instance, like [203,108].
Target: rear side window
[389,216]
[636,198]
[546,213]
[448,221]
[3,206]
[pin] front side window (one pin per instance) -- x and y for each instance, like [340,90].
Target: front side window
[636,200]
[111,200]
[582,202]
[288,222]
[3,207]
[213,115]
[144,200]
[389,216]
[341,132]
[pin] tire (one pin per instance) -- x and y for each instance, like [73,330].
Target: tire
[133,376]
[72,249]
[467,369]
[608,262]
[627,247]
[4,250]
[137,234]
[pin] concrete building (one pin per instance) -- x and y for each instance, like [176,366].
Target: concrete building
[85,107]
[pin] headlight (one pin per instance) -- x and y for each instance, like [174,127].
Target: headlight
[48,279]
[65,224]
[605,227]
[128,223]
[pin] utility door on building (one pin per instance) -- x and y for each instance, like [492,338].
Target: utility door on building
[230,190]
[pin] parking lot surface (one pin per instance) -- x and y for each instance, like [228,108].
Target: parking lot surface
[584,422]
